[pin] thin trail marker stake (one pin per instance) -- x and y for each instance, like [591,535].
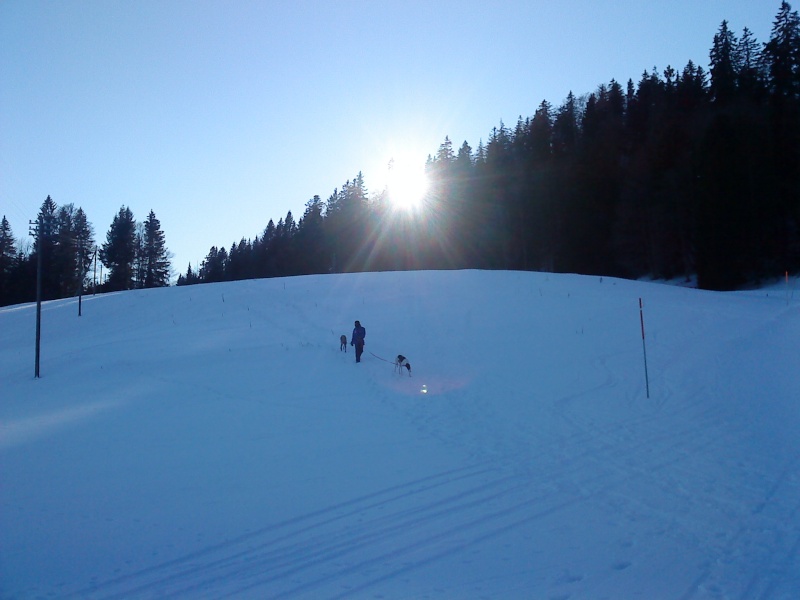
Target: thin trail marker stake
[644,348]
[787,288]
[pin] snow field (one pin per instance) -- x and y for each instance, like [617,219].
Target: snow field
[213,442]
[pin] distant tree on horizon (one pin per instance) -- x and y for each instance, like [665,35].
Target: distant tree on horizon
[154,256]
[8,260]
[74,249]
[118,253]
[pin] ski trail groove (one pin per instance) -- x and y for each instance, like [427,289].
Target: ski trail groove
[308,521]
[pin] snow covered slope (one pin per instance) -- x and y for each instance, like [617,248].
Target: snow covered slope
[213,442]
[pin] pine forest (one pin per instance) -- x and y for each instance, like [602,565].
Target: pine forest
[687,172]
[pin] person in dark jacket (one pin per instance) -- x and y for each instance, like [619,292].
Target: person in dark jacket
[359,333]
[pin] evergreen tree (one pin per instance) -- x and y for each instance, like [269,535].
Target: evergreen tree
[8,261]
[190,278]
[782,53]
[64,255]
[652,228]
[118,253]
[691,89]
[540,190]
[467,217]
[565,127]
[239,265]
[445,155]
[752,80]
[73,250]
[597,178]
[480,154]
[212,269]
[84,245]
[464,160]
[232,263]
[540,134]
[46,242]
[646,105]
[282,246]
[67,259]
[263,255]
[140,262]
[724,67]
[156,257]
[781,56]
[347,219]
[495,176]
[310,238]
[434,234]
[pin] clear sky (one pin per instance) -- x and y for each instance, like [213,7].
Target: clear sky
[222,115]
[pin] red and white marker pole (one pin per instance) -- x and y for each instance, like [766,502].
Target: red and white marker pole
[644,348]
[787,288]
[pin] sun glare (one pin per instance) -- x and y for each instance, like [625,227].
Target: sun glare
[406,184]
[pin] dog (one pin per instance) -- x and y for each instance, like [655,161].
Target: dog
[400,362]
[343,343]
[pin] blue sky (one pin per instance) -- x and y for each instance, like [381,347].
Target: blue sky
[220,116]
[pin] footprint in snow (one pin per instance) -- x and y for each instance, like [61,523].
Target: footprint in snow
[570,578]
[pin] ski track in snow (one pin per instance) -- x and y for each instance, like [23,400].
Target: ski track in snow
[534,467]
[275,553]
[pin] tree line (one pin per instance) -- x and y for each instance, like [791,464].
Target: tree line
[134,255]
[683,173]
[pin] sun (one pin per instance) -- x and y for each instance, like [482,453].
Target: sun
[406,184]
